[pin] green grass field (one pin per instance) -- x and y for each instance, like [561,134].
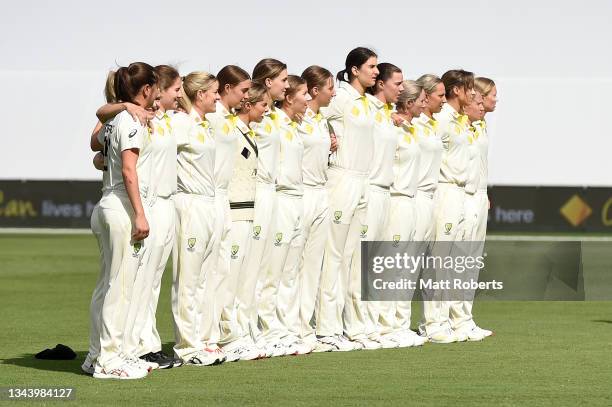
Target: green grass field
[543,353]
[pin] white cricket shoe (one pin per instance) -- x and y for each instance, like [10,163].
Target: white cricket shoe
[461,335]
[298,347]
[368,344]
[320,347]
[139,363]
[402,339]
[240,350]
[126,371]
[275,349]
[475,334]
[337,342]
[483,331]
[444,336]
[89,365]
[204,357]
[385,343]
[418,339]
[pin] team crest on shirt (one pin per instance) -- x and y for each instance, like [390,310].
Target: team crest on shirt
[256,232]
[396,240]
[447,228]
[364,231]
[337,216]
[191,243]
[235,249]
[137,246]
[278,239]
[308,128]
[378,117]
[355,111]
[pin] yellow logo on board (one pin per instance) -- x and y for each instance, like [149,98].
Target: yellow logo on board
[576,211]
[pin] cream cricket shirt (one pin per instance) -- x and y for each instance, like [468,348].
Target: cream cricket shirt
[473,171]
[223,123]
[268,146]
[290,158]
[117,135]
[351,118]
[456,139]
[163,155]
[430,145]
[196,154]
[385,144]
[406,163]
[314,133]
[244,176]
[482,142]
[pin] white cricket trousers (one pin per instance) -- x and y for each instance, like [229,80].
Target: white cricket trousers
[256,259]
[144,338]
[316,223]
[380,314]
[339,308]
[449,218]
[401,231]
[240,240]
[122,263]
[101,285]
[476,210]
[193,246]
[218,264]
[300,285]
[279,288]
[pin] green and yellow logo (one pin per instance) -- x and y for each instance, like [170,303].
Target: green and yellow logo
[256,231]
[137,246]
[447,228]
[337,216]
[191,243]
[235,249]
[396,240]
[279,238]
[364,231]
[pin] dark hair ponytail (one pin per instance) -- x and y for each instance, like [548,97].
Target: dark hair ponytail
[129,80]
[356,57]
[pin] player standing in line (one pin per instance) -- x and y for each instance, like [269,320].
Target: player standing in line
[450,194]
[402,219]
[431,147]
[139,114]
[242,202]
[461,311]
[477,204]
[273,75]
[195,220]
[488,90]
[280,291]
[143,340]
[123,220]
[351,117]
[382,96]
[234,83]
[318,142]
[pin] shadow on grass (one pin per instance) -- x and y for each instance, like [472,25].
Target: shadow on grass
[69,366]
[604,321]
